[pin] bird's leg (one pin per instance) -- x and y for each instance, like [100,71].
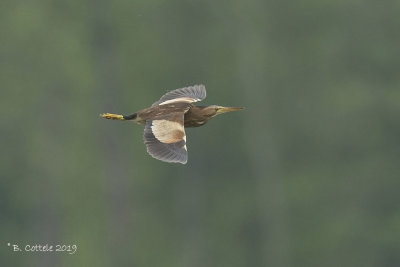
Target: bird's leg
[130,117]
[119,117]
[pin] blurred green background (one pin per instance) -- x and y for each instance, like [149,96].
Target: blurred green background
[307,175]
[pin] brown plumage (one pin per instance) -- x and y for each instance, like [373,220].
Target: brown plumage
[166,119]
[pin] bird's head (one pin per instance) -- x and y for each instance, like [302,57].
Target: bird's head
[214,110]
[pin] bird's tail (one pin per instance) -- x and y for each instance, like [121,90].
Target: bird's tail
[118,117]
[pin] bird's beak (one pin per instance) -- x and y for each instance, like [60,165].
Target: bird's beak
[221,110]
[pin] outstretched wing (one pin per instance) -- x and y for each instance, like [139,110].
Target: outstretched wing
[165,138]
[188,94]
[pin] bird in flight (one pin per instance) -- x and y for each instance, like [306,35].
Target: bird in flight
[165,121]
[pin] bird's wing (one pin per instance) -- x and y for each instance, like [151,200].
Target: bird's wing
[187,94]
[165,138]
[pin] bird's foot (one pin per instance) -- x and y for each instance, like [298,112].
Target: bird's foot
[111,116]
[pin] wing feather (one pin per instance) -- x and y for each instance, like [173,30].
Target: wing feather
[187,94]
[165,138]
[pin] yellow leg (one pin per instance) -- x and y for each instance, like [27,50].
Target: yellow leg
[111,116]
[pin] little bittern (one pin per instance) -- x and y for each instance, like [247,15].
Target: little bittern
[166,119]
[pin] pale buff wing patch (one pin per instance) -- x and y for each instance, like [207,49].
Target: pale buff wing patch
[168,131]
